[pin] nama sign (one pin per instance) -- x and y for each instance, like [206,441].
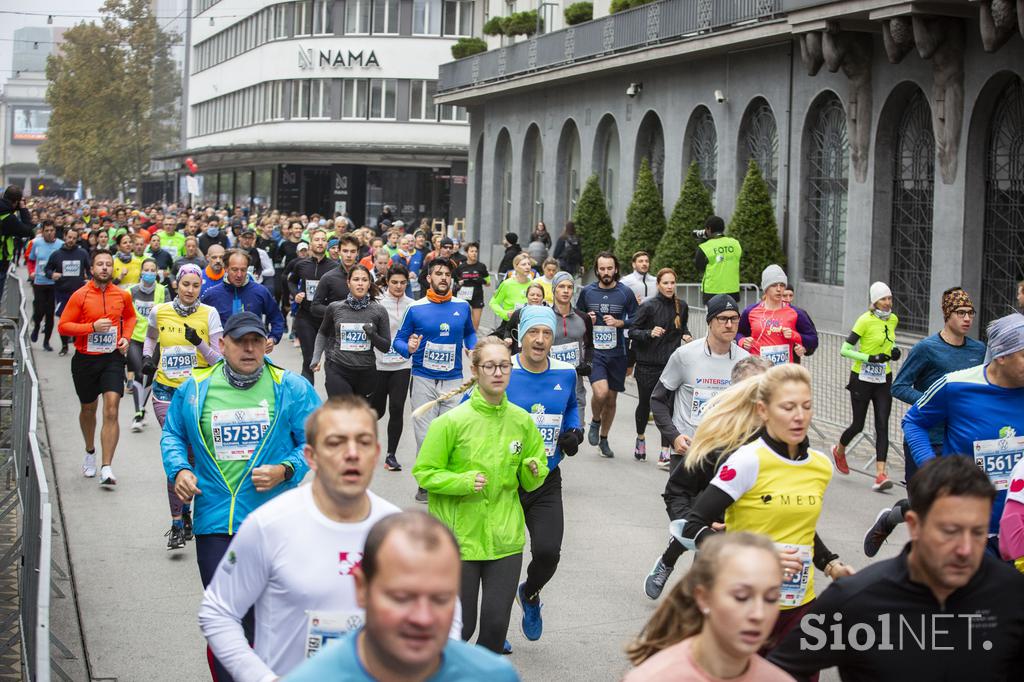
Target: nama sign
[337,59]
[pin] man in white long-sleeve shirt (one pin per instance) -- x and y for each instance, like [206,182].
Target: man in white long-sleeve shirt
[293,558]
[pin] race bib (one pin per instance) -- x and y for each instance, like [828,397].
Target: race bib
[777,355]
[794,588]
[251,270]
[71,268]
[439,357]
[352,337]
[997,457]
[566,352]
[324,626]
[102,342]
[550,425]
[237,433]
[311,285]
[392,357]
[872,372]
[177,362]
[414,285]
[605,338]
[465,293]
[701,398]
[142,308]
[171,249]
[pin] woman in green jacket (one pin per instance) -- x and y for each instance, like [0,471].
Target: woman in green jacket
[473,461]
[511,293]
[871,379]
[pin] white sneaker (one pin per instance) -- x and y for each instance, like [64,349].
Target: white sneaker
[107,476]
[89,466]
[138,422]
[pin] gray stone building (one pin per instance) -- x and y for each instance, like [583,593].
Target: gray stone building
[891,133]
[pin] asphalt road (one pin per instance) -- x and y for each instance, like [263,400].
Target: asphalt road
[138,601]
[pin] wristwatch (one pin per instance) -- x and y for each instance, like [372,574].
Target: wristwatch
[289,470]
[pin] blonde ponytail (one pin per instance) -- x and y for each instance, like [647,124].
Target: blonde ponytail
[475,359]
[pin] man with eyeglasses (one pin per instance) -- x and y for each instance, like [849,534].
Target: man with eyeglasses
[948,350]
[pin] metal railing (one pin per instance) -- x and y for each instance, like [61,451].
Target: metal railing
[691,293]
[19,381]
[657,22]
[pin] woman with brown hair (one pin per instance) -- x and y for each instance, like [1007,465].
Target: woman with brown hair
[716,618]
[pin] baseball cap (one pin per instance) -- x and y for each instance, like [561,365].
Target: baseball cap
[243,323]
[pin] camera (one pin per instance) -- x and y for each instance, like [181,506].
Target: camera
[700,234]
[634,89]
[719,96]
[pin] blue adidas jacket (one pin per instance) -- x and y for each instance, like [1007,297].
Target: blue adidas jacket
[219,509]
[254,297]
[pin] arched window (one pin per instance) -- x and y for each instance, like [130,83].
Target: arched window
[503,180]
[1003,247]
[825,192]
[913,175]
[650,145]
[568,171]
[760,142]
[606,159]
[533,177]
[703,142]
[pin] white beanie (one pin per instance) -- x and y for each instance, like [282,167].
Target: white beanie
[878,291]
[773,274]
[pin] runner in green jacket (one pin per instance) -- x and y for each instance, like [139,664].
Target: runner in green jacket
[473,461]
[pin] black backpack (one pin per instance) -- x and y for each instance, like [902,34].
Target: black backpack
[572,253]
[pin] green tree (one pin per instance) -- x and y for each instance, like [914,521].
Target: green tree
[753,225]
[645,218]
[593,224]
[677,247]
[115,95]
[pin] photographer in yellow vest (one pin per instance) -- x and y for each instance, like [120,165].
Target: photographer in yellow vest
[718,257]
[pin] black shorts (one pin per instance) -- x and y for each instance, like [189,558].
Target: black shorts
[95,375]
[610,367]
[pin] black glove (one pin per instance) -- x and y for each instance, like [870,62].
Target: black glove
[878,357]
[192,336]
[584,369]
[368,328]
[895,354]
[569,441]
[148,366]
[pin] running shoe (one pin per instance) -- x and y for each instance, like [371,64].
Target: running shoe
[506,648]
[107,476]
[881,483]
[605,449]
[175,537]
[35,334]
[63,350]
[640,450]
[665,460]
[594,433]
[655,581]
[89,466]
[137,423]
[532,623]
[841,465]
[421,495]
[47,347]
[391,463]
[186,524]
[878,533]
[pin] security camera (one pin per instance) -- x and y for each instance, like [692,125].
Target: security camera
[634,89]
[719,96]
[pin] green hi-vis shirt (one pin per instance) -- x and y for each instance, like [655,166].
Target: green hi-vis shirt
[234,422]
[876,336]
[722,274]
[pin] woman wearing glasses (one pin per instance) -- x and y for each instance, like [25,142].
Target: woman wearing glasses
[473,461]
[871,379]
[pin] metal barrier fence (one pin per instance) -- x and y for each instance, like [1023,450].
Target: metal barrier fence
[691,293]
[18,380]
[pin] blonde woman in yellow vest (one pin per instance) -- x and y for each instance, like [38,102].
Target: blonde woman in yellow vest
[772,483]
[147,294]
[185,335]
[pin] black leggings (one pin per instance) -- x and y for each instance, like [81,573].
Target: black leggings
[861,394]
[43,304]
[392,390]
[342,380]
[141,383]
[546,522]
[500,578]
[305,328]
[646,377]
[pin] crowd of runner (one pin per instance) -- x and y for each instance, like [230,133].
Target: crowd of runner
[184,307]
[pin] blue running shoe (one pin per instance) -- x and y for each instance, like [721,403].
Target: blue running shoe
[506,648]
[533,624]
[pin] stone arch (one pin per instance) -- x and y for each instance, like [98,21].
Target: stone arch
[701,145]
[650,145]
[607,160]
[568,169]
[826,181]
[503,182]
[759,140]
[532,198]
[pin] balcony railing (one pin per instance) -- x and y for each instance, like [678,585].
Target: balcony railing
[651,24]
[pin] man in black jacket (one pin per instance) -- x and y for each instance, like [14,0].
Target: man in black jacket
[303,283]
[68,267]
[941,610]
[15,224]
[512,249]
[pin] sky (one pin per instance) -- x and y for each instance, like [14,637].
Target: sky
[17,15]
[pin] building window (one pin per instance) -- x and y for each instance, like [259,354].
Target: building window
[277,101]
[503,181]
[453,113]
[761,143]
[704,148]
[280,21]
[302,23]
[322,17]
[610,165]
[311,99]
[426,17]
[382,98]
[300,99]
[912,194]
[1003,249]
[828,165]
[355,96]
[650,145]
[458,17]
[421,101]
[569,170]
[385,17]
[357,17]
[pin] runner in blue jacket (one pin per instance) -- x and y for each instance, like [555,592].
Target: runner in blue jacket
[238,292]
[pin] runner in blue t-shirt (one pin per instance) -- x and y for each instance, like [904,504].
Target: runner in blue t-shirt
[611,306]
[546,388]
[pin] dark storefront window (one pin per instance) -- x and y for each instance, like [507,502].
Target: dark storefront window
[412,194]
[262,188]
